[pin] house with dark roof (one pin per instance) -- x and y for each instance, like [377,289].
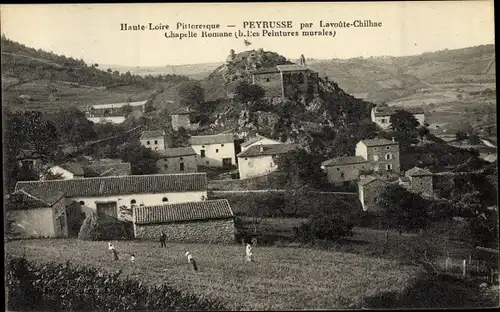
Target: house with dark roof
[378,155]
[369,190]
[184,118]
[381,115]
[110,195]
[259,160]
[214,150]
[36,217]
[419,181]
[177,160]
[154,140]
[210,221]
[287,81]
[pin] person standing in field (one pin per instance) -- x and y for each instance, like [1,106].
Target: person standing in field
[163,238]
[113,250]
[191,261]
[249,254]
[132,258]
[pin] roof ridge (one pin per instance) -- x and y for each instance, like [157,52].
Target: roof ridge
[34,197]
[114,177]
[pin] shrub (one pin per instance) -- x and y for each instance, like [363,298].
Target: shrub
[323,228]
[96,228]
[63,287]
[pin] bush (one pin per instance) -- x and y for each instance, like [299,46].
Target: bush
[95,228]
[323,228]
[58,287]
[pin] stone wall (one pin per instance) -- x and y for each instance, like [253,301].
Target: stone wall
[421,184]
[270,82]
[209,231]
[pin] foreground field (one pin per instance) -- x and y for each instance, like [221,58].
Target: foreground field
[281,278]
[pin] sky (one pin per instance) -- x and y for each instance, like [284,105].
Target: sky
[92,31]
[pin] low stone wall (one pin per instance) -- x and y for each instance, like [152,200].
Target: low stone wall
[209,231]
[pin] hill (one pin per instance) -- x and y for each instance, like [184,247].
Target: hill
[40,80]
[194,71]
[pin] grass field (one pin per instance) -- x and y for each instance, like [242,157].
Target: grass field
[281,278]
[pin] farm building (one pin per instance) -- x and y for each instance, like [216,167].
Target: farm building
[154,140]
[114,196]
[259,160]
[214,150]
[344,169]
[36,217]
[177,160]
[419,181]
[287,81]
[184,118]
[30,159]
[381,115]
[93,168]
[369,190]
[210,221]
[257,140]
[113,112]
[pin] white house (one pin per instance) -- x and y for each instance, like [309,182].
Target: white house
[112,112]
[381,115]
[258,140]
[111,195]
[259,160]
[214,150]
[154,140]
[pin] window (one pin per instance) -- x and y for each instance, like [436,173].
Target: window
[246,158]
[202,152]
[342,175]
[389,167]
[222,145]
[267,79]
[181,166]
[180,158]
[375,157]
[165,166]
[203,146]
[375,148]
[300,78]
[156,142]
[388,147]
[216,150]
[338,169]
[388,156]
[382,120]
[82,203]
[132,202]
[164,199]
[147,143]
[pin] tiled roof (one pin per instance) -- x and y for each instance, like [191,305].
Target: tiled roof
[346,160]
[389,110]
[368,180]
[152,134]
[416,171]
[118,105]
[267,70]
[202,210]
[212,139]
[177,152]
[103,169]
[121,185]
[268,149]
[22,200]
[74,168]
[254,139]
[183,111]
[378,142]
[293,67]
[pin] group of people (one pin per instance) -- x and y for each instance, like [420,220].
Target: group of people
[190,258]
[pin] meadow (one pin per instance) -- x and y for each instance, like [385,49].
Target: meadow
[280,278]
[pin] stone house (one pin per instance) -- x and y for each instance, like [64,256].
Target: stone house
[381,115]
[184,118]
[113,195]
[37,217]
[93,168]
[210,221]
[419,181]
[344,169]
[258,140]
[30,159]
[287,81]
[154,140]
[259,160]
[177,160]
[214,150]
[369,190]
[382,154]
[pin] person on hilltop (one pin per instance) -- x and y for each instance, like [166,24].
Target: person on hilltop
[163,238]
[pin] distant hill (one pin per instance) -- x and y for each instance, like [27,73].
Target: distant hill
[194,71]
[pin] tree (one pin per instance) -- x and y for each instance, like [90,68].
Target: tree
[460,136]
[404,126]
[127,109]
[180,138]
[323,227]
[423,132]
[192,93]
[263,208]
[299,168]
[402,209]
[245,92]
[474,139]
[142,160]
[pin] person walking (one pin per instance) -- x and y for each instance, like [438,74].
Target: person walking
[191,261]
[163,238]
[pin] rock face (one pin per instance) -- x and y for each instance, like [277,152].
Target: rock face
[206,231]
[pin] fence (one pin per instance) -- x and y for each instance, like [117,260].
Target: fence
[466,267]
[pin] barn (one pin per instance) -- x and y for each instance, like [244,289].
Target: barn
[210,221]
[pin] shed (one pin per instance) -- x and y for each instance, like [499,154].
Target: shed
[210,221]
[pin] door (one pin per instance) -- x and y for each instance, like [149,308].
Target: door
[226,162]
[181,168]
[109,209]
[202,152]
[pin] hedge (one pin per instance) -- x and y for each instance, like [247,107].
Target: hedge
[96,228]
[56,287]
